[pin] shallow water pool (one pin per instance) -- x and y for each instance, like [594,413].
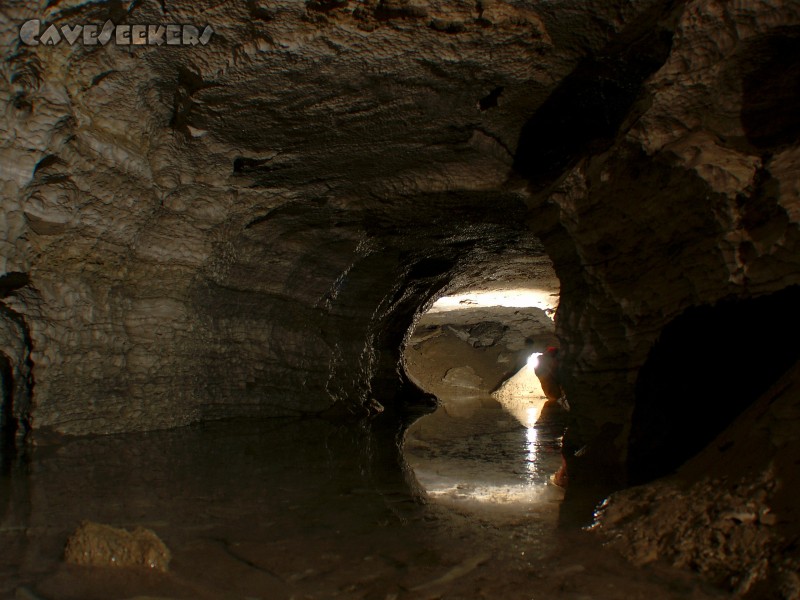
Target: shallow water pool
[284,509]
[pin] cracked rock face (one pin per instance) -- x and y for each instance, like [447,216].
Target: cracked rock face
[253,226]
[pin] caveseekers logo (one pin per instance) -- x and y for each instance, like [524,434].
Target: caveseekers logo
[91,34]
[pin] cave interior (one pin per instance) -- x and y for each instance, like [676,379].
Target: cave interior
[271,300]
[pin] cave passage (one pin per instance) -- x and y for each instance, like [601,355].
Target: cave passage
[708,366]
[489,448]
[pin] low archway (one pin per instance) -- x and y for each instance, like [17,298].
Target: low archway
[493,445]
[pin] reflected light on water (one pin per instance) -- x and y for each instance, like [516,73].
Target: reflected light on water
[492,494]
[496,482]
[531,436]
[522,395]
[531,416]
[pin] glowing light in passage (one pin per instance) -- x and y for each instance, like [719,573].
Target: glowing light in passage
[533,360]
[513,298]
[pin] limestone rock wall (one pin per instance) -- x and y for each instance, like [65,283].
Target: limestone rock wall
[251,226]
[694,198]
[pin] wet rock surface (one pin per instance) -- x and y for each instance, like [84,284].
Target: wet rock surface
[725,532]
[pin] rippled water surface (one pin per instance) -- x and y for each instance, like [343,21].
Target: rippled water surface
[292,509]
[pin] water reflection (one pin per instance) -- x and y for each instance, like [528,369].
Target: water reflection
[531,436]
[244,506]
[487,462]
[297,509]
[490,454]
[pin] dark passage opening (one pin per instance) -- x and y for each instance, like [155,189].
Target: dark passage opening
[709,364]
[771,89]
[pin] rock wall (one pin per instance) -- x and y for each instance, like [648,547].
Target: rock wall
[684,194]
[250,226]
[730,513]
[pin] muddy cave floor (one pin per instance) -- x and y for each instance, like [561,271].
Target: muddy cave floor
[300,509]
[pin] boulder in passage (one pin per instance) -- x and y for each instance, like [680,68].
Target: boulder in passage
[98,545]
